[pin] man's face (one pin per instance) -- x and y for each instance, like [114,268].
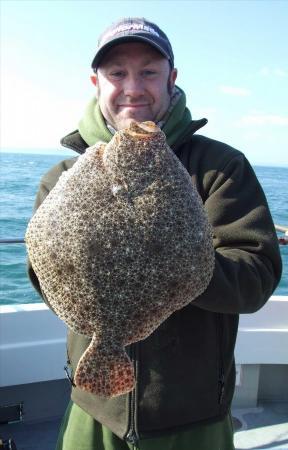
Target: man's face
[132,84]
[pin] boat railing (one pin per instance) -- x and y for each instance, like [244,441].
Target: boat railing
[12,241]
[33,338]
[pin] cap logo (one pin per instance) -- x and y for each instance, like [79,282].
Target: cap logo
[130,27]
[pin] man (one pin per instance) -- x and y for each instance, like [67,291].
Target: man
[185,370]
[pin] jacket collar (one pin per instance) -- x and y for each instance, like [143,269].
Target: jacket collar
[75,142]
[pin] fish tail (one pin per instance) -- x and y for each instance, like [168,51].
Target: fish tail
[104,373]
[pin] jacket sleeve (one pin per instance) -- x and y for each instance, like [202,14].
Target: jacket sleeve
[247,257]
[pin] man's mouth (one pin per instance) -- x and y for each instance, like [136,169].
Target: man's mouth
[133,106]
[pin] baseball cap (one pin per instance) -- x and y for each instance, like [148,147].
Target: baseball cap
[133,29]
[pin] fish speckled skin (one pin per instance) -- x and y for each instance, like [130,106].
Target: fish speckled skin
[120,243]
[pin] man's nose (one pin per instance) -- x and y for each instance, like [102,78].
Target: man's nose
[133,86]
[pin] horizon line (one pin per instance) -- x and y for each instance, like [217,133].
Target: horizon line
[70,152]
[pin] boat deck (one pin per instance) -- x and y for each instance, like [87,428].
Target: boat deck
[263,427]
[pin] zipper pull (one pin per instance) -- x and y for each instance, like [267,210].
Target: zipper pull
[132,438]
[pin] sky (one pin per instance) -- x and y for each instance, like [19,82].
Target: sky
[231,56]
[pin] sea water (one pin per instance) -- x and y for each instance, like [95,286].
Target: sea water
[20,176]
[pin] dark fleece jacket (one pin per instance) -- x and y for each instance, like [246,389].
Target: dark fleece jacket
[185,370]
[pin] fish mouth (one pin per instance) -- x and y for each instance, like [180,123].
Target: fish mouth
[142,129]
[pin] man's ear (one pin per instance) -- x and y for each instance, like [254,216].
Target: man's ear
[173,76]
[93,78]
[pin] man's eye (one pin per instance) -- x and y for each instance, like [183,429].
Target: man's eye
[117,75]
[149,73]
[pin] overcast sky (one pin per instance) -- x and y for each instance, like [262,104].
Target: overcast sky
[231,56]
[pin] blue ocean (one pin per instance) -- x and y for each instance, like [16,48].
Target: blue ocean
[20,175]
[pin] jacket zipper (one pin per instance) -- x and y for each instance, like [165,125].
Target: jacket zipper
[221,387]
[221,374]
[132,436]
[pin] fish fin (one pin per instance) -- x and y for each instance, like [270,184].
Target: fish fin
[104,373]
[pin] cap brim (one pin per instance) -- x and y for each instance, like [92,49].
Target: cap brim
[101,52]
